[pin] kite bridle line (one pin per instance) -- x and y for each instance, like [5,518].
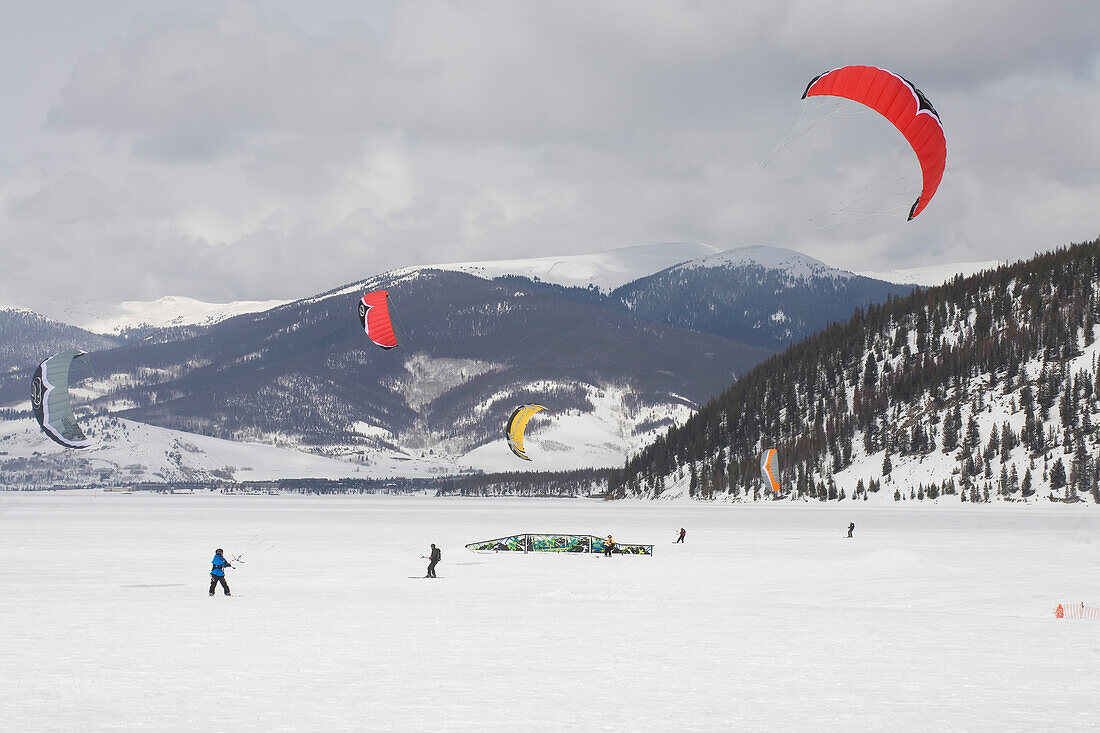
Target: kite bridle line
[896,205]
[396,314]
[240,557]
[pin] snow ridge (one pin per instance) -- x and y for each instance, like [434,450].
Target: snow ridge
[604,270]
[795,265]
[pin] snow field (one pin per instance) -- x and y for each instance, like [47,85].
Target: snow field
[767,618]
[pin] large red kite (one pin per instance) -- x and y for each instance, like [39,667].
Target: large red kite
[904,105]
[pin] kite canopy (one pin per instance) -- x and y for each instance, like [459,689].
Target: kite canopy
[516,426]
[374,314]
[50,400]
[769,469]
[904,105]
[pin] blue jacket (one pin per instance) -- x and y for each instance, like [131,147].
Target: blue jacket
[218,562]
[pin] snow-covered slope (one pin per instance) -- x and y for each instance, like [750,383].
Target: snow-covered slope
[171,310]
[606,270]
[931,275]
[574,439]
[127,451]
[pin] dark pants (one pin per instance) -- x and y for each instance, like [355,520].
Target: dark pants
[679,540]
[431,568]
[850,532]
[214,580]
[607,550]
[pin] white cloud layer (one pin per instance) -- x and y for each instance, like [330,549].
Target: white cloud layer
[231,151]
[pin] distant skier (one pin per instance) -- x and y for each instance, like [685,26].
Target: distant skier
[434,559]
[851,528]
[217,572]
[609,546]
[683,533]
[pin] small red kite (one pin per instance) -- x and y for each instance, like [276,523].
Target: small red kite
[374,313]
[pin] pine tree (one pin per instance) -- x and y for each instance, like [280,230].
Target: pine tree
[887,466]
[951,427]
[870,371]
[973,438]
[994,445]
[1057,475]
[1009,441]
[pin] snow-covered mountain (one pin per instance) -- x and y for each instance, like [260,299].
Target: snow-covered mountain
[986,389]
[931,275]
[26,338]
[767,296]
[137,315]
[624,344]
[794,266]
[602,270]
[304,375]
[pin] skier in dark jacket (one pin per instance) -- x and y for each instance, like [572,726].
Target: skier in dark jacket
[851,528]
[434,559]
[217,572]
[683,533]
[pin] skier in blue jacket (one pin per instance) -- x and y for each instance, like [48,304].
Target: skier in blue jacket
[217,572]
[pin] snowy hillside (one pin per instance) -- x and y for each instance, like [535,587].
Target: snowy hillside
[125,451]
[604,270]
[983,390]
[172,310]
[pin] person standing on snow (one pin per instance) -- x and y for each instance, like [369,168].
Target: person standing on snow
[609,546]
[851,527]
[683,533]
[434,559]
[217,572]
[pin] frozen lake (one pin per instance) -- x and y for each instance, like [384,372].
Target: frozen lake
[767,618]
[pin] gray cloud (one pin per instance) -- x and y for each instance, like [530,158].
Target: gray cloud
[229,152]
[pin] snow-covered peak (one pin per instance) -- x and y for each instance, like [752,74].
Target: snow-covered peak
[931,275]
[794,265]
[606,270]
[171,310]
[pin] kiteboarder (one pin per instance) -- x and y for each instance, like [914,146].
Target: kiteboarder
[609,546]
[434,559]
[851,528]
[683,533]
[217,572]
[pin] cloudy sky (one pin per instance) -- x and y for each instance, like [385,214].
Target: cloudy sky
[232,150]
